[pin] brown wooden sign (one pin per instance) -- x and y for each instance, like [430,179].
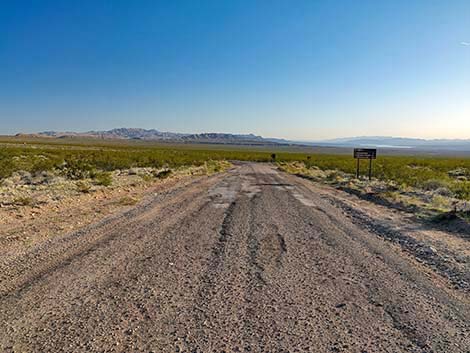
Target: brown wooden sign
[365,153]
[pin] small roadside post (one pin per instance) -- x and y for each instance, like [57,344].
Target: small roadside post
[365,153]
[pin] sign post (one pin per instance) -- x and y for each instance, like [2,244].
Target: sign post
[365,153]
[357,168]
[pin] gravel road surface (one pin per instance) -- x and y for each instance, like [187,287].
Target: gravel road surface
[251,260]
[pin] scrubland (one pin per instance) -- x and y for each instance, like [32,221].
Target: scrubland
[429,185]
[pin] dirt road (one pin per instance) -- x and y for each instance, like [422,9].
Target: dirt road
[252,260]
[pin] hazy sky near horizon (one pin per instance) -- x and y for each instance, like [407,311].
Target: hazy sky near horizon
[298,69]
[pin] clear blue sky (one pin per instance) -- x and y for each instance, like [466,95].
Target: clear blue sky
[298,69]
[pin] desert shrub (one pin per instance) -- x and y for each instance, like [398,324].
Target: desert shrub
[103,178]
[214,167]
[83,187]
[23,201]
[444,191]
[434,184]
[461,190]
[459,172]
[334,176]
[76,169]
[162,174]
[147,177]
[440,202]
[42,165]
[7,167]
[127,201]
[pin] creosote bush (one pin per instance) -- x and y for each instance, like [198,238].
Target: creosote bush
[103,178]
[76,169]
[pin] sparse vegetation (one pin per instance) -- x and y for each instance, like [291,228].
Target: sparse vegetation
[162,174]
[103,178]
[83,187]
[421,172]
[425,186]
[127,201]
[442,180]
[23,201]
[77,162]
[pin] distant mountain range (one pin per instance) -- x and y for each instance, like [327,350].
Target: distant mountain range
[155,135]
[251,139]
[120,133]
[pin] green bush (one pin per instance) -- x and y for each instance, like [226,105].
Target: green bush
[7,167]
[41,165]
[103,178]
[461,190]
[434,184]
[76,169]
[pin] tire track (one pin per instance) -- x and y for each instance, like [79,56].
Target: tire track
[208,280]
[20,274]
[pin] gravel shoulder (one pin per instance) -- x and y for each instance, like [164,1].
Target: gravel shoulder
[247,260]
